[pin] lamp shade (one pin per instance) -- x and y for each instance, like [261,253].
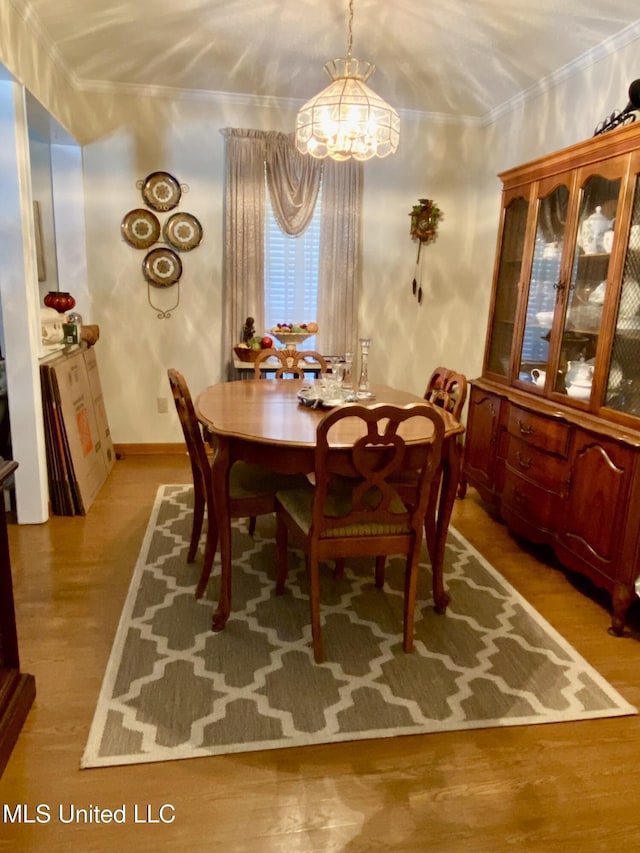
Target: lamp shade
[347,119]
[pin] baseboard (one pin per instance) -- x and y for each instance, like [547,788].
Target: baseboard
[160,449]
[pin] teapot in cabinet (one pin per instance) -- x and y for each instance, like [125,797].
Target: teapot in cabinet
[579,378]
[592,231]
[579,372]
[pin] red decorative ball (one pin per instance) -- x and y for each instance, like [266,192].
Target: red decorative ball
[61,300]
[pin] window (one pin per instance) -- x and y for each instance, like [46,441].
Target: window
[291,266]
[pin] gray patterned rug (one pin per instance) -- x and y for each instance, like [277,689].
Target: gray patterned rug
[173,689]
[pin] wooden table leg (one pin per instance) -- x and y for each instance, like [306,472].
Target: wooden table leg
[220,474]
[451,463]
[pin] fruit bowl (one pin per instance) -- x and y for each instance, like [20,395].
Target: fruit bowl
[291,338]
[246,354]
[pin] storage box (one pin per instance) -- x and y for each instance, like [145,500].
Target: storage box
[106,444]
[79,449]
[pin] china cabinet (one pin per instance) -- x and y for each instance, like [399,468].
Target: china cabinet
[553,430]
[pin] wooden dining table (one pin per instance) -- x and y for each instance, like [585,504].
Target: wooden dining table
[262,421]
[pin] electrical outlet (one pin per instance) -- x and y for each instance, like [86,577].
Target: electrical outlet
[163,405]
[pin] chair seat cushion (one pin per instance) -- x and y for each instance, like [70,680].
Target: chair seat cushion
[247,480]
[299,504]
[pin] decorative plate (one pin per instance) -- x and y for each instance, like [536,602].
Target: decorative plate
[140,228]
[160,191]
[183,232]
[162,267]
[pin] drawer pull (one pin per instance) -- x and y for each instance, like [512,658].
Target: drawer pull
[525,462]
[525,429]
[519,497]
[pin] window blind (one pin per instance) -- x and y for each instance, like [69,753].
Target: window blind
[291,266]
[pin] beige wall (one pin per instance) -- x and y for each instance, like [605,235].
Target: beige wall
[124,138]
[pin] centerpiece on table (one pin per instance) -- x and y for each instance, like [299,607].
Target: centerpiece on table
[292,334]
[288,334]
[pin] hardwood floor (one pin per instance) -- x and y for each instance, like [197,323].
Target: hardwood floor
[568,786]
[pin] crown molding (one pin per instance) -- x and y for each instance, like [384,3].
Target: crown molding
[578,65]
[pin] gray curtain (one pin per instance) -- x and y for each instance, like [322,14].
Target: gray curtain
[293,181]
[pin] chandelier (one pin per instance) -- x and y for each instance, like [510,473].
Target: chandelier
[348,119]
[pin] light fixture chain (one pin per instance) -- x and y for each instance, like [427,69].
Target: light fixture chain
[350,42]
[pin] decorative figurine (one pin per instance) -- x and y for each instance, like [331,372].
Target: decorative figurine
[248,330]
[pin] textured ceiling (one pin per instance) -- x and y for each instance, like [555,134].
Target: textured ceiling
[462,57]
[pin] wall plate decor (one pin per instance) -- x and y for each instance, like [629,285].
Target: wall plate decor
[160,191]
[140,228]
[162,267]
[182,231]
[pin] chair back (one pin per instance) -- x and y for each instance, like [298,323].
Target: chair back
[447,389]
[366,499]
[190,424]
[292,362]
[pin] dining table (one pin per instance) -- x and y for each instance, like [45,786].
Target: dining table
[262,421]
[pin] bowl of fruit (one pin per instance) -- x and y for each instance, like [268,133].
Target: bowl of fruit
[251,349]
[292,334]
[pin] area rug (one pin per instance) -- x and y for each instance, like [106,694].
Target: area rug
[173,689]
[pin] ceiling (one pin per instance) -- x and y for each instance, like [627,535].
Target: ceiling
[467,58]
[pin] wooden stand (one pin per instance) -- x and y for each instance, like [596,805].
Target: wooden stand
[17,690]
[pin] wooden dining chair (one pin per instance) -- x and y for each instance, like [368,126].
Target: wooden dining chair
[354,509]
[252,488]
[292,362]
[448,389]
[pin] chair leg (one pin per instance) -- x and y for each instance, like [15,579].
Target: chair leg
[198,516]
[430,521]
[282,556]
[209,555]
[338,571]
[380,562]
[314,602]
[410,590]
[252,525]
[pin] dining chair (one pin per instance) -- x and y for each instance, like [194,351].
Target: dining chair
[252,487]
[292,362]
[448,389]
[354,509]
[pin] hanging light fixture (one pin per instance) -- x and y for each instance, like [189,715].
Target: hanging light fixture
[348,119]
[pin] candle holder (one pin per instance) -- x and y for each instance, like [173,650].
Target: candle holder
[363,382]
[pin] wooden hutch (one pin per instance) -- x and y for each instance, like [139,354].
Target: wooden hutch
[553,430]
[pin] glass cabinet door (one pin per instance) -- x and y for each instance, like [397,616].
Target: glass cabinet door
[587,285]
[553,204]
[623,377]
[507,285]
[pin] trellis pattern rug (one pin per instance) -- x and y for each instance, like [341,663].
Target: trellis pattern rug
[174,689]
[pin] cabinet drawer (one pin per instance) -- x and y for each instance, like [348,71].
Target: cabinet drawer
[537,465]
[550,435]
[538,507]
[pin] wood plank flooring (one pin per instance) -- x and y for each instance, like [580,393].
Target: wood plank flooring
[568,786]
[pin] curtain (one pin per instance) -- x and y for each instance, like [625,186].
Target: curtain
[338,285]
[293,180]
[243,247]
